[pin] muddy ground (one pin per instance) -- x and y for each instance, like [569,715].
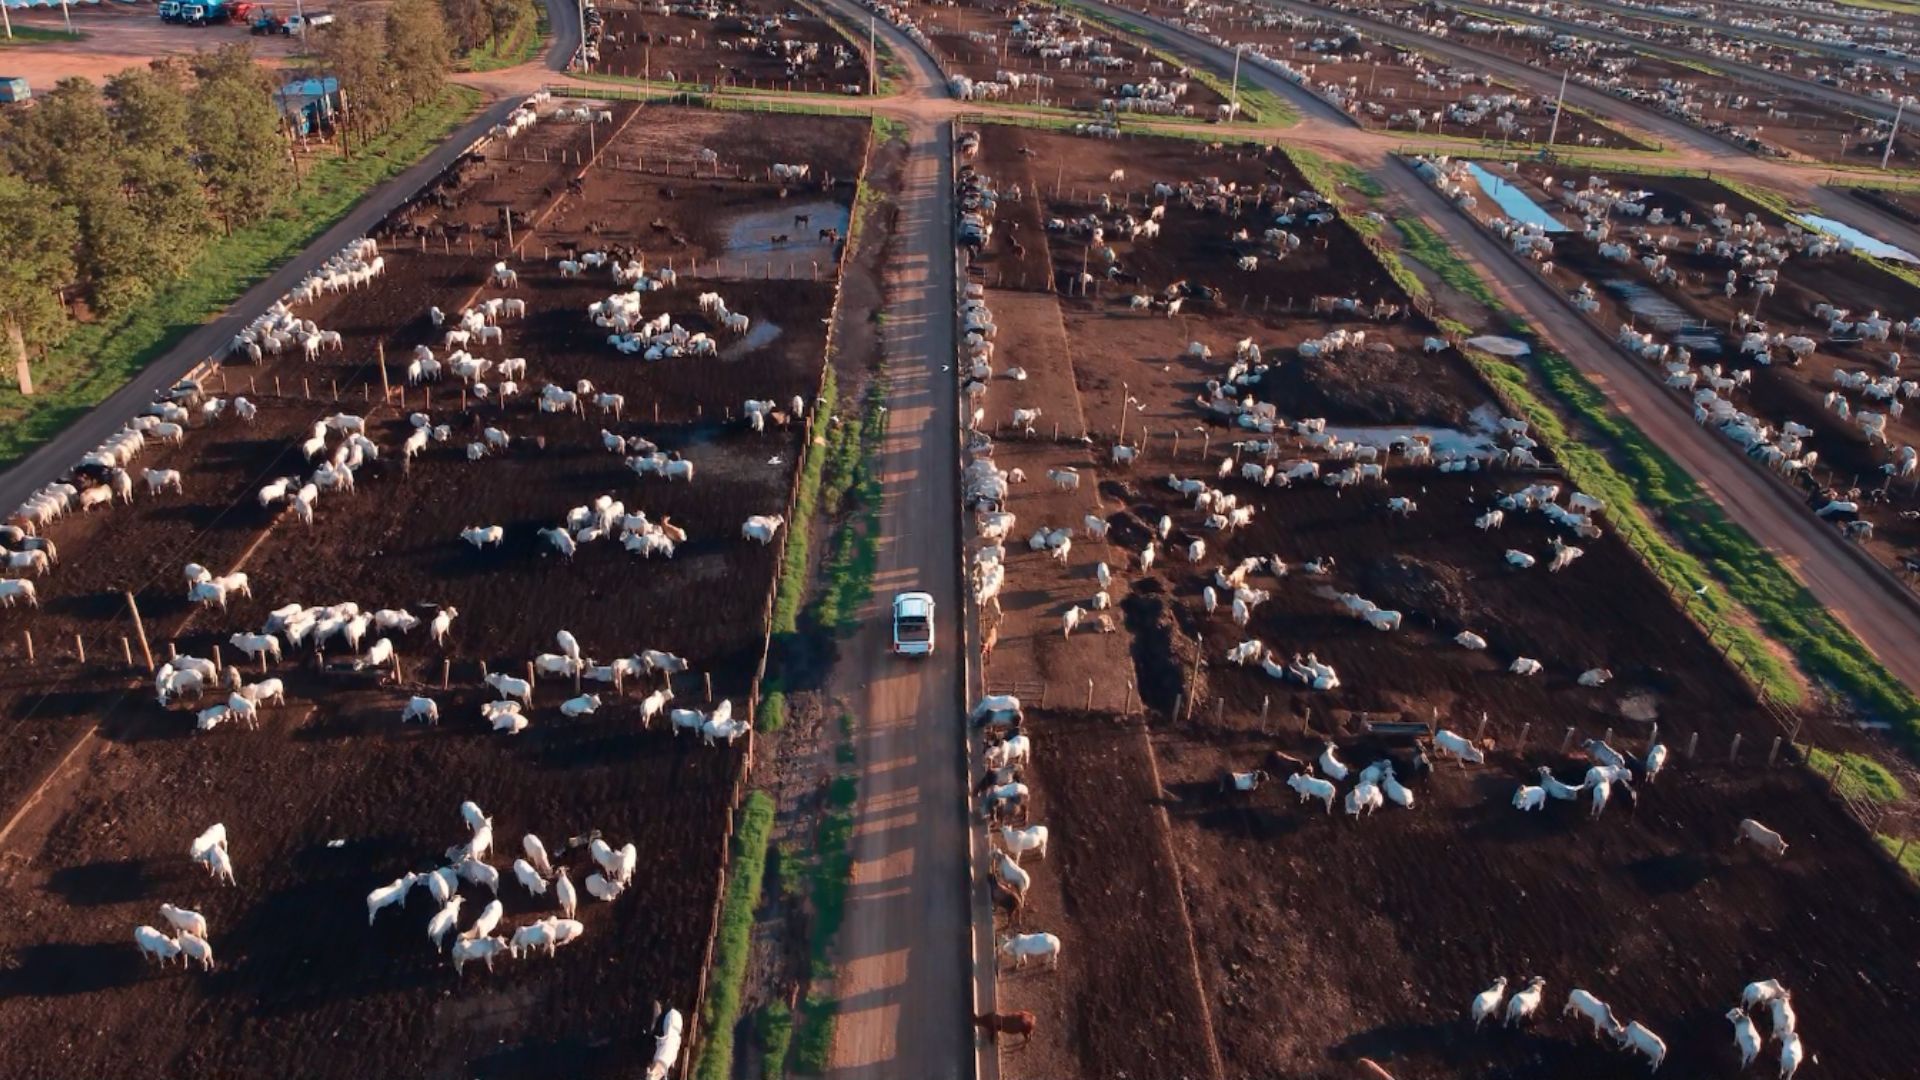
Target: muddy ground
[103,788]
[1314,949]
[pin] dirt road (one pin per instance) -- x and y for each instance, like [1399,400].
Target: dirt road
[905,950]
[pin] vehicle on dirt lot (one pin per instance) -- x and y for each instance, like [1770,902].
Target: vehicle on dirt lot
[913,624]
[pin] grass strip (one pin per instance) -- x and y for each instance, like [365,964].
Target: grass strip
[1857,776]
[97,359]
[39,35]
[793,559]
[852,491]
[774,1024]
[813,1045]
[1908,856]
[773,707]
[1751,572]
[1632,504]
[832,870]
[1427,247]
[730,951]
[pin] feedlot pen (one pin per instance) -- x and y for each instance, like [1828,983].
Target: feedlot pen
[1315,938]
[101,788]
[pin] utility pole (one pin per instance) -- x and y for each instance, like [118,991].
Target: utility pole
[65,13]
[6,21]
[873,85]
[1233,109]
[1553,132]
[1895,130]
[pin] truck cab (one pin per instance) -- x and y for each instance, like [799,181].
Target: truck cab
[202,12]
[170,10]
[913,624]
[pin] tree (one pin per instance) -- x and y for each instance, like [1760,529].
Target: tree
[469,23]
[417,49]
[163,189]
[236,135]
[37,241]
[356,53]
[68,146]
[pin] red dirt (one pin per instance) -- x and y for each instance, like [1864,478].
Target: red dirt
[104,844]
[650,41]
[1315,950]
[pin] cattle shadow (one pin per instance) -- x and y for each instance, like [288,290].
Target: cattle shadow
[107,881]
[545,1057]
[1681,872]
[61,704]
[62,969]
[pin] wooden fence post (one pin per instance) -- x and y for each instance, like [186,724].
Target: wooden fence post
[1089,705]
[446,673]
[1734,750]
[1693,745]
[1524,728]
[126,649]
[1566,741]
[1774,750]
[28,636]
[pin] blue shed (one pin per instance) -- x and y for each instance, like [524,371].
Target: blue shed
[305,102]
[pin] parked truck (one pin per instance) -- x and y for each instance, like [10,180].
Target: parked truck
[312,20]
[204,12]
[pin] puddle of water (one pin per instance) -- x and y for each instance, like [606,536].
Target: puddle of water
[1664,315]
[1513,202]
[752,233]
[1445,441]
[1859,239]
[1500,346]
[758,334]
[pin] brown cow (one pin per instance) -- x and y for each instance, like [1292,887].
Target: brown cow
[1015,1023]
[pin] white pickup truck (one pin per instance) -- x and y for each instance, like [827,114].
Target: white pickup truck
[913,624]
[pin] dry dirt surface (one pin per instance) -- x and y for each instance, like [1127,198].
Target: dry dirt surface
[978,40]
[750,43]
[103,788]
[1323,938]
[120,36]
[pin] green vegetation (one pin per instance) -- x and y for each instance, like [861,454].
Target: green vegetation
[1907,854]
[851,491]
[39,35]
[1653,479]
[1858,776]
[819,1015]
[735,938]
[1430,250]
[1359,180]
[774,1023]
[515,46]
[1825,648]
[96,359]
[794,559]
[887,129]
[773,707]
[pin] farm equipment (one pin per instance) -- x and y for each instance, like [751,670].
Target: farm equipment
[205,12]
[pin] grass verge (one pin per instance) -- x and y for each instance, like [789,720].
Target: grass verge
[1907,855]
[722,1010]
[794,559]
[832,870]
[1632,504]
[1857,776]
[773,707]
[774,1024]
[1428,248]
[851,491]
[98,358]
[813,1046]
[39,35]
[1751,573]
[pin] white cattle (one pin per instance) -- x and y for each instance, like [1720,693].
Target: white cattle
[1597,1012]
[1487,1002]
[420,708]
[1529,797]
[1025,947]
[155,945]
[1018,842]
[761,527]
[394,892]
[1762,837]
[1458,746]
[1640,1039]
[1312,787]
